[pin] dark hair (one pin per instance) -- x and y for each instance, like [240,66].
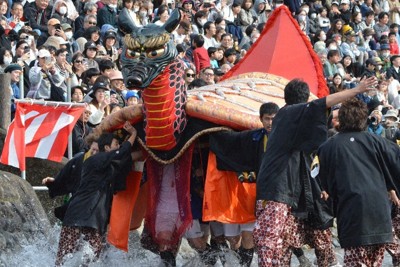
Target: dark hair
[73,89]
[333,88]
[199,14]
[268,108]
[198,40]
[207,25]
[226,34]
[243,5]
[332,53]
[249,29]
[88,74]
[260,26]
[161,9]
[382,15]
[296,91]
[60,51]
[218,20]
[180,48]
[75,57]
[197,83]
[105,139]
[89,31]
[353,116]
[51,49]
[105,65]
[369,13]
[211,50]
[20,43]
[316,36]
[2,53]
[15,3]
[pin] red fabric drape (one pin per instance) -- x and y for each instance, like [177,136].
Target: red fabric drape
[182,168]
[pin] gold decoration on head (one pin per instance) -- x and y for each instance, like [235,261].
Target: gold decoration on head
[151,43]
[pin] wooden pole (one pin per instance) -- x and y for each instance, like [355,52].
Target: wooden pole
[5,100]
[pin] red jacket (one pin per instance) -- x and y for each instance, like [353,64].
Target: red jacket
[394,48]
[201,59]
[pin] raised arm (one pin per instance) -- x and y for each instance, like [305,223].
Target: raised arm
[130,129]
[365,85]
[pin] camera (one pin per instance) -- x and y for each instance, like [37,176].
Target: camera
[207,5]
[170,3]
[48,60]
[373,119]
[57,27]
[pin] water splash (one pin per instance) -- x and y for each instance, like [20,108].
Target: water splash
[42,253]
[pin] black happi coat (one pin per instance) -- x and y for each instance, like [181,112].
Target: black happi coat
[68,179]
[102,175]
[238,151]
[297,131]
[357,170]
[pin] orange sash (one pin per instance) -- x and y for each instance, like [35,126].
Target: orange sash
[225,198]
[121,211]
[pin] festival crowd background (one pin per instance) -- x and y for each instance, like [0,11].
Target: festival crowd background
[54,42]
[59,44]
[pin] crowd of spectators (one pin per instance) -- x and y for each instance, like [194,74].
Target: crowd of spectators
[71,43]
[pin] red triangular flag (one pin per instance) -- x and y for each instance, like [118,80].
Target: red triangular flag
[284,50]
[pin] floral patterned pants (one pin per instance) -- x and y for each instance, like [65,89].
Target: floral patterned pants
[277,230]
[69,241]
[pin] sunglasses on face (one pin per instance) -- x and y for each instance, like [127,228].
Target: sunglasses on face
[190,75]
[78,61]
[92,23]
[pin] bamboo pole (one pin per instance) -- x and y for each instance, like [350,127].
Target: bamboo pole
[5,100]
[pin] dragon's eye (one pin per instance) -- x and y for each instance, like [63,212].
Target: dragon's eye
[155,53]
[132,54]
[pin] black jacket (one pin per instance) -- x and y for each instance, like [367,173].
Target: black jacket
[107,15]
[238,151]
[68,179]
[298,130]
[391,72]
[357,169]
[102,175]
[32,13]
[79,134]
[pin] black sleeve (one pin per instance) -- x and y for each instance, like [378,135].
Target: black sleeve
[389,73]
[67,180]
[312,130]
[390,155]
[122,163]
[235,151]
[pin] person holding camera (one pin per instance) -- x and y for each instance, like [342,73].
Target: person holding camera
[42,76]
[374,123]
[54,29]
